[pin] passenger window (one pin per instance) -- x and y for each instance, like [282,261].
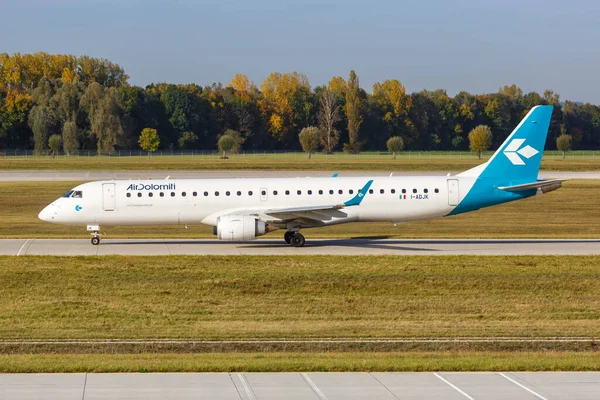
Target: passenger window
[381,191]
[403,190]
[217,194]
[205,194]
[274,192]
[331,192]
[371,191]
[425,191]
[320,192]
[195,194]
[150,194]
[414,190]
[239,193]
[310,192]
[128,194]
[393,191]
[340,191]
[172,194]
[437,190]
[139,194]
[299,192]
[227,193]
[287,192]
[162,194]
[263,192]
[351,191]
[250,193]
[183,194]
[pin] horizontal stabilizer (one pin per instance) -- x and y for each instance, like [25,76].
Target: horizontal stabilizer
[545,186]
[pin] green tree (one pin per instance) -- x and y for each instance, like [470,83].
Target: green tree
[188,140]
[395,144]
[309,139]
[353,113]
[70,137]
[480,139]
[55,143]
[230,142]
[149,140]
[564,143]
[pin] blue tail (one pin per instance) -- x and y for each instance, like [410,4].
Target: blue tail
[516,162]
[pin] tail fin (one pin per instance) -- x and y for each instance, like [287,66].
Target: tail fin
[520,156]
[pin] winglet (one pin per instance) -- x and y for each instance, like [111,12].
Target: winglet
[359,196]
[334,175]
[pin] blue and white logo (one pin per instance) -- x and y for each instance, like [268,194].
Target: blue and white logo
[78,207]
[514,151]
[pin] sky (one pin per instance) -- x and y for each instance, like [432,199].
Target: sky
[472,45]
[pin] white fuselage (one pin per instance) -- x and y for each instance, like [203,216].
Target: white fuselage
[202,201]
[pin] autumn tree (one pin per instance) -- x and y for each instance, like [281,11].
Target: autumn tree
[309,139]
[353,113]
[480,139]
[55,143]
[328,116]
[149,140]
[394,145]
[103,109]
[564,143]
[393,107]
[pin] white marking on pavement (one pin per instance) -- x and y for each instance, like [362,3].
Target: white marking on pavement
[314,387]
[453,386]
[247,387]
[539,396]
[25,247]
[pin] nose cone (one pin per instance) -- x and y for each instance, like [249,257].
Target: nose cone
[48,214]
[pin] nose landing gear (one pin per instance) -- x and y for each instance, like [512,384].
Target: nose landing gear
[95,235]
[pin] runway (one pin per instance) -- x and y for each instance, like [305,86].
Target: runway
[80,176]
[301,386]
[426,247]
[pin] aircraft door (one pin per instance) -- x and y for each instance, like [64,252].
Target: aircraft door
[264,194]
[108,197]
[453,195]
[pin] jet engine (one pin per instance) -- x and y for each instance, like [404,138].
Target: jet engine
[240,227]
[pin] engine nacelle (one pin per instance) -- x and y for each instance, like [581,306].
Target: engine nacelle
[239,228]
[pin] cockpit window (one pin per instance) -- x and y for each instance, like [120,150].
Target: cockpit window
[75,194]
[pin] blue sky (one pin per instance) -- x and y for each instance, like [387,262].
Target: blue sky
[473,45]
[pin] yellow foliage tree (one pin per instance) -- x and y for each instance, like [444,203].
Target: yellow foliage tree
[480,139]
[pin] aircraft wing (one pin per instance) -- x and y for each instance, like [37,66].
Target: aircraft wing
[306,214]
[552,184]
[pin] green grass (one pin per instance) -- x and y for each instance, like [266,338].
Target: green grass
[298,297]
[290,362]
[414,161]
[570,212]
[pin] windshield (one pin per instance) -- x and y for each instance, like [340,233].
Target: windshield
[75,194]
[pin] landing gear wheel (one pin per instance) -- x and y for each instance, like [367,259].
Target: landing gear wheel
[95,240]
[297,240]
[288,237]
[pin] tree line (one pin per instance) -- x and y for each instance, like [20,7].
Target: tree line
[49,101]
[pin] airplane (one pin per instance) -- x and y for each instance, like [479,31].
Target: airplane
[244,209]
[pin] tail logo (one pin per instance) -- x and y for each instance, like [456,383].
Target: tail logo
[514,151]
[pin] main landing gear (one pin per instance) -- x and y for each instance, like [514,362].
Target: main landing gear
[296,239]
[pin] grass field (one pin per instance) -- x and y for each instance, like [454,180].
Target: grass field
[426,161]
[290,297]
[298,297]
[290,362]
[571,212]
